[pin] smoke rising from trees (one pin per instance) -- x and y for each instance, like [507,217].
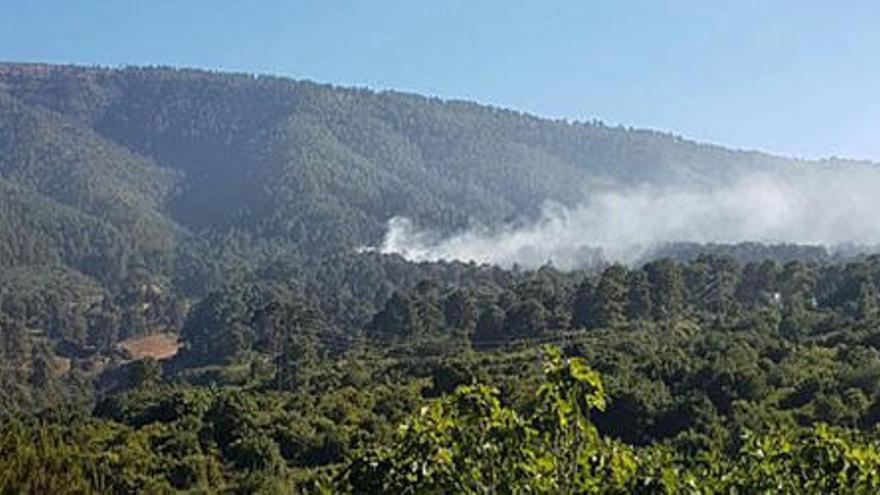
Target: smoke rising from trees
[823,206]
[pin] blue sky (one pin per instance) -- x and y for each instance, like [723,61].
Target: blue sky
[798,77]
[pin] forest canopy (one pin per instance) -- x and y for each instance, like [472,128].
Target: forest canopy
[186,305]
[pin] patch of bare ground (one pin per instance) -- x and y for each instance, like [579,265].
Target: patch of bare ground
[158,346]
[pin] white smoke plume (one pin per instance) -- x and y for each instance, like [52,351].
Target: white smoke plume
[820,206]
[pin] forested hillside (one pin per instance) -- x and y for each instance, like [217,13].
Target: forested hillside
[185,305]
[264,165]
[701,377]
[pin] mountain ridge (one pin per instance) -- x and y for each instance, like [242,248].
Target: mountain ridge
[12,67]
[266,167]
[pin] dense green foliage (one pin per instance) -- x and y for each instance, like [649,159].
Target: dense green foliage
[700,377]
[470,442]
[192,174]
[226,211]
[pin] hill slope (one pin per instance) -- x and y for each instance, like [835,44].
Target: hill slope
[264,165]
